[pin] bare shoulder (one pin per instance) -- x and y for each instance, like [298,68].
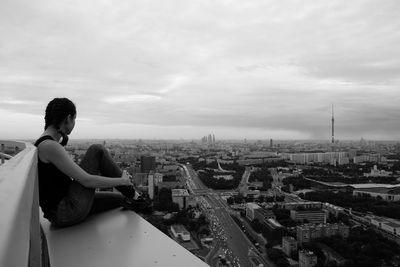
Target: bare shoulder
[48,149]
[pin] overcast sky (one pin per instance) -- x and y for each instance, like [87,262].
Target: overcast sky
[183,69]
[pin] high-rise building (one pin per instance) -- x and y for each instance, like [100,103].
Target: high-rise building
[151,185]
[271,143]
[147,164]
[289,246]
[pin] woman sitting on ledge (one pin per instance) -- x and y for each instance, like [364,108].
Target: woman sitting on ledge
[67,190]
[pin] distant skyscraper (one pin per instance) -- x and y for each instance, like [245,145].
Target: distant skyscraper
[147,164]
[151,185]
[213,138]
[271,143]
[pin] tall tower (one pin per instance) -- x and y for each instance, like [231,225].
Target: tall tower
[333,129]
[151,185]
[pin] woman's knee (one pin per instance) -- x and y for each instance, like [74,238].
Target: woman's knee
[96,148]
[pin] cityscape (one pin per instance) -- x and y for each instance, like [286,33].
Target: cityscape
[268,202]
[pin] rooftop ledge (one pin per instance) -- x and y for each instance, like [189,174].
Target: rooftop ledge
[114,238]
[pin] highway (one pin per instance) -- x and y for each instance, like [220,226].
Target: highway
[245,179]
[229,236]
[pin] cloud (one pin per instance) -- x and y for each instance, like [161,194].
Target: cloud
[255,68]
[131,98]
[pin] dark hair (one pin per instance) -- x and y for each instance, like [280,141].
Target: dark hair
[57,110]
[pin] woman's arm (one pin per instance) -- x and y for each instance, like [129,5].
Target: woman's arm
[53,152]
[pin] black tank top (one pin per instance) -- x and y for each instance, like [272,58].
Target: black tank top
[53,184]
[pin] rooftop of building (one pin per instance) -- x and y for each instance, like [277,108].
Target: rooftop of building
[307,252]
[313,225]
[380,190]
[180,192]
[361,186]
[265,212]
[179,228]
[329,205]
[390,222]
[274,223]
[253,205]
[309,211]
[303,203]
[393,224]
[289,238]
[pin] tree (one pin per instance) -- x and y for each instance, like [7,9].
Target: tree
[204,231]
[230,200]
[256,225]
[282,263]
[239,198]
[260,199]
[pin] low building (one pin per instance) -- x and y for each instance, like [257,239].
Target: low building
[179,232]
[250,210]
[377,173]
[303,204]
[307,258]
[333,210]
[273,231]
[182,198]
[289,246]
[387,194]
[308,232]
[263,214]
[391,226]
[360,159]
[343,161]
[312,216]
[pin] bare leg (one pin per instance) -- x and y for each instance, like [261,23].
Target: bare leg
[81,201]
[97,160]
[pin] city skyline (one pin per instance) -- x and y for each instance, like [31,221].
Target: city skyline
[255,70]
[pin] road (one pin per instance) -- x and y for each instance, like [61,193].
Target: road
[229,236]
[245,180]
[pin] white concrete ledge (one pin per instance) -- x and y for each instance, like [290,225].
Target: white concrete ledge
[115,238]
[17,186]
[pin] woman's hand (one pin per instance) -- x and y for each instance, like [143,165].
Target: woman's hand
[126,178]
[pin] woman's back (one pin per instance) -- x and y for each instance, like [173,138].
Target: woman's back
[53,184]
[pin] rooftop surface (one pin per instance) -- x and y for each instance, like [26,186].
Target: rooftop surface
[179,193]
[115,238]
[253,205]
[360,186]
[179,228]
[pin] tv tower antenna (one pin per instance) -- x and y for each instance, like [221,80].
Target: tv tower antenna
[333,128]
